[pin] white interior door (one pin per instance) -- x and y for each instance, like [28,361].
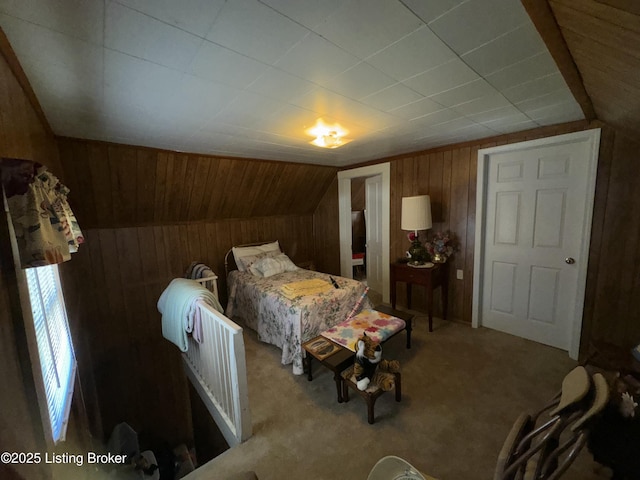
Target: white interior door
[538,203]
[373,224]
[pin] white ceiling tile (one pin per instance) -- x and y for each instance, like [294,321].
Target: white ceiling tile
[446,128]
[58,86]
[515,127]
[128,31]
[543,101]
[130,80]
[195,96]
[432,9]
[464,93]
[358,114]
[292,121]
[195,16]
[498,115]
[509,118]
[363,27]
[413,54]
[316,60]
[422,107]
[476,22]
[506,50]
[255,30]
[535,88]
[435,118]
[220,64]
[43,46]
[391,98]
[359,81]
[175,89]
[249,109]
[308,14]
[280,85]
[482,104]
[323,102]
[559,113]
[76,18]
[537,66]
[445,77]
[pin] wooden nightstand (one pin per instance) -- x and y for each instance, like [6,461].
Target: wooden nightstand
[430,278]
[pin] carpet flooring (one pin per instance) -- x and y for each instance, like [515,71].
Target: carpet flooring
[462,389]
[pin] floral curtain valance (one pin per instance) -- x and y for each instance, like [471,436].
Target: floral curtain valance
[46,229]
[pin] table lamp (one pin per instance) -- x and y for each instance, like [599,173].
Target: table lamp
[416,216]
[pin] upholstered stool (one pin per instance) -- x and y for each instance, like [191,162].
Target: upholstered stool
[371,394]
[377,325]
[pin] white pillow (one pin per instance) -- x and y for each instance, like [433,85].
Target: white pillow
[240,252]
[269,266]
[247,261]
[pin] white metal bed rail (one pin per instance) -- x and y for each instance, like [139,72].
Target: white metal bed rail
[217,370]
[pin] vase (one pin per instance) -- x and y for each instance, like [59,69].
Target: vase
[439,258]
[416,252]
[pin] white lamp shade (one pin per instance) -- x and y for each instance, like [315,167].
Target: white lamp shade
[416,213]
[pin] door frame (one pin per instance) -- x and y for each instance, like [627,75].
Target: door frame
[592,137]
[344,206]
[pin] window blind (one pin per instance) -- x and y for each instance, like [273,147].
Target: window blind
[55,349]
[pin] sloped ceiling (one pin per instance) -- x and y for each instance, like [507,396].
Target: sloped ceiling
[604,40]
[247,77]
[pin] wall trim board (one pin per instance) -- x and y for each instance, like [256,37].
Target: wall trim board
[545,22]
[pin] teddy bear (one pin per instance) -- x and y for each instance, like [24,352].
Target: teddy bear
[369,367]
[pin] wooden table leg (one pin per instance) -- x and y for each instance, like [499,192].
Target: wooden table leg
[393,292]
[338,379]
[309,359]
[409,296]
[430,307]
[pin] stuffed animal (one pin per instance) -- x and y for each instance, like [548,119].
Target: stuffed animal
[369,367]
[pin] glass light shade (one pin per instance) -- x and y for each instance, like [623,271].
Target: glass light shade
[416,213]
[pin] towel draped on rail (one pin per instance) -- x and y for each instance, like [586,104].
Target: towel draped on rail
[198,270]
[180,315]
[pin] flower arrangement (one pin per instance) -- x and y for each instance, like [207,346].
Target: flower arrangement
[440,246]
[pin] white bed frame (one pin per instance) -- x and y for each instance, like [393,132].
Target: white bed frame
[217,369]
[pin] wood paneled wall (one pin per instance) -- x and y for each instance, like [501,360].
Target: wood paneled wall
[604,41]
[118,276]
[358,200]
[24,132]
[448,176]
[23,135]
[612,306]
[326,231]
[121,186]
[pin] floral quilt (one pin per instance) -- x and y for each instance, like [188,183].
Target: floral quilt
[287,323]
[377,325]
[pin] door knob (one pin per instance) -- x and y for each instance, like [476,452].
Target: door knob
[570,260]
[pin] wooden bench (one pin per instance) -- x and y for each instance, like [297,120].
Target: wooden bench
[371,393]
[336,357]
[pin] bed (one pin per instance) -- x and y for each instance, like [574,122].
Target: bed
[259,302]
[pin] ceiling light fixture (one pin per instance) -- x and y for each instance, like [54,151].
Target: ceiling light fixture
[328,136]
[329,140]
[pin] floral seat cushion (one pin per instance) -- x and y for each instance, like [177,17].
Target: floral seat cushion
[377,325]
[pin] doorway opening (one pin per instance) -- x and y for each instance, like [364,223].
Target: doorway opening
[364,227]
